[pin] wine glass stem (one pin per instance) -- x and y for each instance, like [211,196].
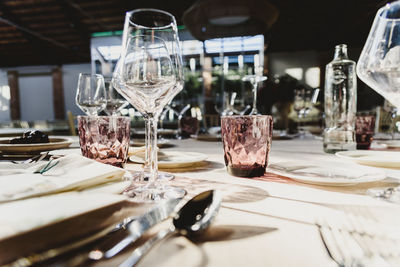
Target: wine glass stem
[151,148]
[393,123]
[147,127]
[254,110]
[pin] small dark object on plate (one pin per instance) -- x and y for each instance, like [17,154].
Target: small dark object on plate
[31,137]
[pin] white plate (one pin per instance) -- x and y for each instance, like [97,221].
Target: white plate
[174,159]
[330,176]
[159,131]
[386,159]
[390,143]
[160,142]
[207,137]
[55,143]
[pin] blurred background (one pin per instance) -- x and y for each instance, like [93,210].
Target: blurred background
[45,44]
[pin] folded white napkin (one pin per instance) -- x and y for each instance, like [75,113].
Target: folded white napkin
[72,172]
[24,215]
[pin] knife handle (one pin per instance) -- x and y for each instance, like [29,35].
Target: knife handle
[139,252]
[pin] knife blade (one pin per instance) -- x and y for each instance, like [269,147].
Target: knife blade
[137,227]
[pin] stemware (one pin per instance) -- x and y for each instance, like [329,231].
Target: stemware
[379,62]
[90,93]
[228,107]
[149,74]
[304,102]
[114,101]
[254,80]
[299,102]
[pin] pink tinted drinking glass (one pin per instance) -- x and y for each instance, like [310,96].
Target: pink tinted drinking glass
[365,127]
[247,142]
[105,139]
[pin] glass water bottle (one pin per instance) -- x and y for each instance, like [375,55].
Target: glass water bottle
[340,102]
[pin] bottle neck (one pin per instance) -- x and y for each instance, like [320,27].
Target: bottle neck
[340,52]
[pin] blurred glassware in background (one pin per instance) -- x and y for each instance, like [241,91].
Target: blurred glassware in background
[379,62]
[229,104]
[303,103]
[188,123]
[90,93]
[365,128]
[340,102]
[115,101]
[299,102]
[254,80]
[394,118]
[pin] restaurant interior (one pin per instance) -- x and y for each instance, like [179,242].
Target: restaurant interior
[199,133]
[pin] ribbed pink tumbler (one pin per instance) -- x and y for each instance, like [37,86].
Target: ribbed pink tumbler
[105,139]
[247,142]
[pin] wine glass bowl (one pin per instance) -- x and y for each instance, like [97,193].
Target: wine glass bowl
[90,93]
[114,101]
[147,75]
[379,62]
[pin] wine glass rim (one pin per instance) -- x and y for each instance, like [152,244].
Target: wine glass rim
[173,21]
[90,75]
[247,116]
[382,9]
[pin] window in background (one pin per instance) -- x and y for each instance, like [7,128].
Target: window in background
[4,97]
[312,77]
[296,73]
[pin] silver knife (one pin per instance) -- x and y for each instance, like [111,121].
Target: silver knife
[137,227]
[162,211]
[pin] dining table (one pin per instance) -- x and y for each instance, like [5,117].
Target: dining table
[271,220]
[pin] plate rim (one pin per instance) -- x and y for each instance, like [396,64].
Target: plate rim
[206,137]
[329,181]
[63,140]
[340,155]
[389,143]
[16,149]
[166,164]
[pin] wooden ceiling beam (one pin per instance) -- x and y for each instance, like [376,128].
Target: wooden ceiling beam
[31,35]
[93,20]
[74,22]
[17,3]
[34,9]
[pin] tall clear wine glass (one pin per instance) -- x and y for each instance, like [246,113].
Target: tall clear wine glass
[149,75]
[254,80]
[115,101]
[90,93]
[379,62]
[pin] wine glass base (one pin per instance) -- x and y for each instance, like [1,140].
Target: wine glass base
[141,176]
[154,194]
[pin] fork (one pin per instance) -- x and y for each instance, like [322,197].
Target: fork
[349,247]
[35,158]
[346,251]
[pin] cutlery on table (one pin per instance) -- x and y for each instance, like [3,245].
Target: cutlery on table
[33,159]
[136,226]
[193,218]
[136,229]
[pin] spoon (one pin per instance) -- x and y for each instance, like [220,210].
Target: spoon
[192,219]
